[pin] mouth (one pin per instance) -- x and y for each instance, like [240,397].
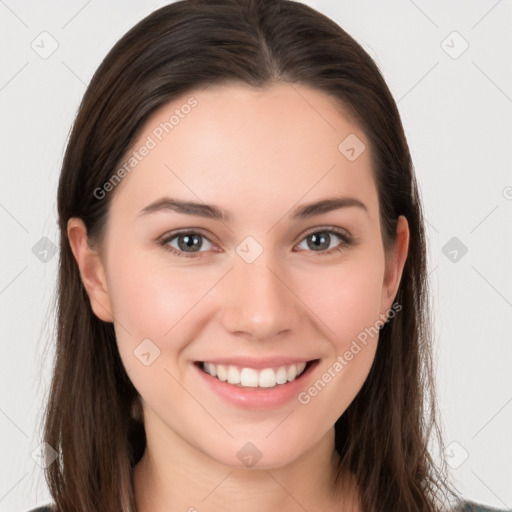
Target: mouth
[258,385]
[256,378]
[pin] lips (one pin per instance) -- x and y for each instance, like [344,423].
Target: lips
[270,395]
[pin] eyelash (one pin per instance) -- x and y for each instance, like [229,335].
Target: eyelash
[347,241]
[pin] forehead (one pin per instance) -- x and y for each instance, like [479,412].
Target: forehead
[259,148]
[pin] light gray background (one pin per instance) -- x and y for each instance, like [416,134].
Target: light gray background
[457,117]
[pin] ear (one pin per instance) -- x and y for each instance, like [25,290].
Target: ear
[395,264]
[91,270]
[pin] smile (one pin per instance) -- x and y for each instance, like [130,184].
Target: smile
[256,384]
[252,378]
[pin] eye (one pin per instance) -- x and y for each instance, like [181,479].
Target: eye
[324,241]
[190,243]
[186,243]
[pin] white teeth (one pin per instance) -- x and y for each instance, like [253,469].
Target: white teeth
[251,378]
[267,378]
[222,373]
[281,376]
[292,372]
[233,375]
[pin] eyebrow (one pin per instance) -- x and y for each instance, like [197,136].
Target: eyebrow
[214,212]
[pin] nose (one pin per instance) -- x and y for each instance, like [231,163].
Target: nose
[259,302]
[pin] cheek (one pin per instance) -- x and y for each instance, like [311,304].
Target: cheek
[348,306]
[149,299]
[153,307]
[346,303]
[154,301]
[346,298]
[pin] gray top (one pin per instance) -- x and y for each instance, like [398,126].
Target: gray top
[467,506]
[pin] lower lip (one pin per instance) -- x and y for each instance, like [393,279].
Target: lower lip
[257,398]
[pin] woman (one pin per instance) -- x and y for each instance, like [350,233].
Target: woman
[243,314]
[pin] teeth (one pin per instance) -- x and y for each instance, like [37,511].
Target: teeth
[251,378]
[267,378]
[233,375]
[222,373]
[291,373]
[281,375]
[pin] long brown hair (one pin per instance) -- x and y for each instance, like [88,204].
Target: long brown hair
[93,416]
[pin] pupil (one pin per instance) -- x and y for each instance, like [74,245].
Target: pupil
[189,242]
[321,241]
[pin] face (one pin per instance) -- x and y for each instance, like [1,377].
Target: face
[262,279]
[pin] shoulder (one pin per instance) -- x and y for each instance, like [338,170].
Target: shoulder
[470,506]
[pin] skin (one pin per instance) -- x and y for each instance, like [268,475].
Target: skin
[257,154]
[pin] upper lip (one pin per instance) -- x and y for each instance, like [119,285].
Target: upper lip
[250,362]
